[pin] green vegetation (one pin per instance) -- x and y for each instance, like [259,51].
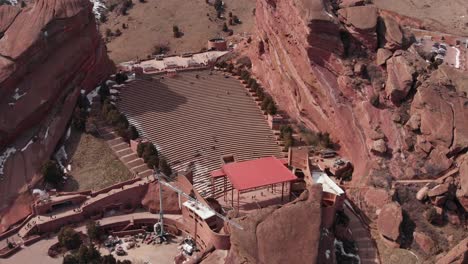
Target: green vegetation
[317,139]
[103,92]
[52,172]
[149,153]
[164,166]
[90,255]
[120,77]
[69,238]
[80,114]
[176,31]
[94,231]
[268,105]
[119,121]
[286,133]
[126,5]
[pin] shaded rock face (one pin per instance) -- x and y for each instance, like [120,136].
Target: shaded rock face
[389,221]
[271,235]
[361,22]
[402,70]
[170,199]
[424,242]
[49,51]
[418,111]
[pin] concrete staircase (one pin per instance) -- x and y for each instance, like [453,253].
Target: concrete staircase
[123,151]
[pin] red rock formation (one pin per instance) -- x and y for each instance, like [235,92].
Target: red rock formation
[361,22]
[170,199]
[49,51]
[457,255]
[389,221]
[317,86]
[272,236]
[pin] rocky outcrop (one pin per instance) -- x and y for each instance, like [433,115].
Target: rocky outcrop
[361,22]
[382,56]
[170,199]
[314,82]
[389,221]
[269,229]
[391,35]
[462,192]
[49,51]
[424,242]
[457,255]
[403,69]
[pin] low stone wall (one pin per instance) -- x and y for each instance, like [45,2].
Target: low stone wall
[31,240]
[115,186]
[7,252]
[15,229]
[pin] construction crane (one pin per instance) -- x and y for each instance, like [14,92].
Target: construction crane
[161,232]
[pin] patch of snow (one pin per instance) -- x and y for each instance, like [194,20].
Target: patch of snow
[110,82]
[118,85]
[60,155]
[27,145]
[327,253]
[114,91]
[339,247]
[67,136]
[46,133]
[17,94]
[98,8]
[12,2]
[457,58]
[11,104]
[93,94]
[4,157]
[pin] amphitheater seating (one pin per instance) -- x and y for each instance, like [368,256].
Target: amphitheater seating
[194,121]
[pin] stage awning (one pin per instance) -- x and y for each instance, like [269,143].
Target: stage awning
[255,173]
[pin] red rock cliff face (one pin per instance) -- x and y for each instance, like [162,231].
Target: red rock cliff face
[304,55]
[49,51]
[299,67]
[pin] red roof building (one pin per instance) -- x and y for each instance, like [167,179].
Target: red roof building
[253,174]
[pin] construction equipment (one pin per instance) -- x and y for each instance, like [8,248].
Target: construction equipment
[190,198]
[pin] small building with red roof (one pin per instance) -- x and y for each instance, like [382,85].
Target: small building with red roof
[246,176]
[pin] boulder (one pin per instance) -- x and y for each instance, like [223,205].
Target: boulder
[382,56]
[389,221]
[414,122]
[422,193]
[401,77]
[438,190]
[379,146]
[424,242]
[453,218]
[438,162]
[463,175]
[390,33]
[377,198]
[361,22]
